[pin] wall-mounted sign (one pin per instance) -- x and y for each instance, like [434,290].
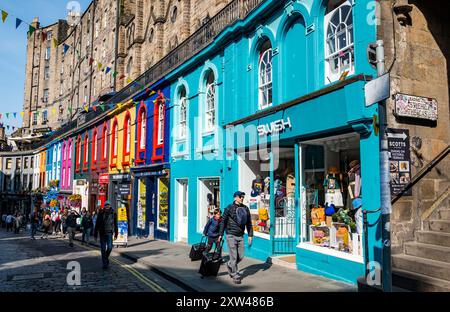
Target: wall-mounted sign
[42,130]
[103,178]
[122,223]
[124,189]
[378,90]
[276,126]
[125,176]
[399,160]
[416,107]
[81,182]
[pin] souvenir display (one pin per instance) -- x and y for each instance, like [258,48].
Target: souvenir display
[317,215]
[257,186]
[320,235]
[333,187]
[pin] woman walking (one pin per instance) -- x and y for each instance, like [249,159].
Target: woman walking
[46,226]
[87,226]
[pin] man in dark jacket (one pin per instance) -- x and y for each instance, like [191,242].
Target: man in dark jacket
[235,219]
[106,225]
[71,223]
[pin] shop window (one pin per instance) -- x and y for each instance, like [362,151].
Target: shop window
[183,115]
[85,152]
[78,154]
[94,149]
[142,204]
[331,188]
[339,42]
[265,75]
[126,139]
[210,108]
[163,204]
[114,143]
[209,199]
[159,122]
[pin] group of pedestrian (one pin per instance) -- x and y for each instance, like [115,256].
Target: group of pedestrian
[13,221]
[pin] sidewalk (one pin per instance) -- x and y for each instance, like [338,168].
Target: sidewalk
[172,261]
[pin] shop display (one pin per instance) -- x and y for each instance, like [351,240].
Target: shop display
[317,215]
[257,186]
[340,236]
[333,187]
[320,235]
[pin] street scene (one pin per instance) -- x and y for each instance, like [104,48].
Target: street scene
[230,146]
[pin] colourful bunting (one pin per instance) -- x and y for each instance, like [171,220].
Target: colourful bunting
[7,115]
[86,108]
[102,107]
[66,48]
[129,80]
[0,116]
[122,77]
[22,114]
[18,22]
[91,61]
[94,108]
[15,115]
[115,74]
[99,66]
[107,70]
[55,43]
[4,15]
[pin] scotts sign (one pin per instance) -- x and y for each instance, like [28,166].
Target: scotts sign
[276,126]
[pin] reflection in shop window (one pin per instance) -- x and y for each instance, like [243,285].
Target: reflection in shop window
[209,199]
[331,215]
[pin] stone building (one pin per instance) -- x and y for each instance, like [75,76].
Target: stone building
[123,36]
[417,47]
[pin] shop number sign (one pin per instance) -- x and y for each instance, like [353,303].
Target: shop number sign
[122,222]
[399,160]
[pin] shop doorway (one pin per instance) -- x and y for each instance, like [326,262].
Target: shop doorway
[182,206]
[209,200]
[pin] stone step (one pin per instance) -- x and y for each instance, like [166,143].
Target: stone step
[437,225]
[418,282]
[444,214]
[428,267]
[428,251]
[435,238]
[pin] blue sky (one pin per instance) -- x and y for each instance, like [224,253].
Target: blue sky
[13,45]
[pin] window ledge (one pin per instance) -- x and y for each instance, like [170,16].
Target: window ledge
[209,132]
[331,252]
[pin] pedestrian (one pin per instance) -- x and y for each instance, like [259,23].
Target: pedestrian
[213,229]
[46,226]
[34,221]
[17,223]
[71,223]
[9,222]
[56,218]
[86,225]
[105,226]
[4,220]
[236,218]
[94,216]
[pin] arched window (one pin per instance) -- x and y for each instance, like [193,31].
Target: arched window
[104,142]
[127,135]
[183,114]
[339,50]
[265,75]
[142,127]
[86,149]
[94,148]
[78,154]
[210,109]
[114,143]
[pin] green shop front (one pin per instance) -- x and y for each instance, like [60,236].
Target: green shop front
[309,168]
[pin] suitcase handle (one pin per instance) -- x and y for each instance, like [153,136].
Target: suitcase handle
[218,248]
[203,237]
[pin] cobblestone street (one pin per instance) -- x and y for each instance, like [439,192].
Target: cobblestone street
[41,265]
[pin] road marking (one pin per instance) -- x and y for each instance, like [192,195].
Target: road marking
[132,270]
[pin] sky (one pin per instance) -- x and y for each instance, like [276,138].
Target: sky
[13,45]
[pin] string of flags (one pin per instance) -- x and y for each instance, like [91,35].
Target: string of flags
[2,125]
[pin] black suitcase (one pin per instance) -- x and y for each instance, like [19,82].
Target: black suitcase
[197,250]
[211,262]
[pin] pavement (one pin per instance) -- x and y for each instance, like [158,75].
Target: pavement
[171,260]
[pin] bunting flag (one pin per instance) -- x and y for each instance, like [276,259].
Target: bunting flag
[4,15]
[66,48]
[7,115]
[15,115]
[37,113]
[31,30]
[18,22]
[115,74]
[0,116]
[129,80]
[91,61]
[55,43]
[86,108]
[22,114]
[102,107]
[70,110]
[94,108]
[107,70]
[99,66]
[119,105]
[122,77]
[44,36]
[54,111]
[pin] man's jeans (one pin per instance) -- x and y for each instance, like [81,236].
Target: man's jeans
[71,231]
[33,229]
[106,245]
[85,237]
[236,253]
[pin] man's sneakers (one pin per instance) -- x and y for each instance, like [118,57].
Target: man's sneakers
[237,279]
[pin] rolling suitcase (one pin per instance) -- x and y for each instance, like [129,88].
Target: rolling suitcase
[197,250]
[211,262]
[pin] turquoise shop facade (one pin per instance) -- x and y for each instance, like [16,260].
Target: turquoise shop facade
[305,93]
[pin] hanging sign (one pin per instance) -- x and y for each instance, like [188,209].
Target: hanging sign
[122,222]
[399,160]
[416,107]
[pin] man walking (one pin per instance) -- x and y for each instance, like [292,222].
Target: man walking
[106,225]
[34,221]
[71,223]
[235,219]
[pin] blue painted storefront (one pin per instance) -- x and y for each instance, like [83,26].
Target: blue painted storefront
[296,32]
[53,161]
[151,163]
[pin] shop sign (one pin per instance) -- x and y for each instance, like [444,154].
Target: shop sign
[276,126]
[81,182]
[416,107]
[121,176]
[378,90]
[152,173]
[122,222]
[103,178]
[124,189]
[399,160]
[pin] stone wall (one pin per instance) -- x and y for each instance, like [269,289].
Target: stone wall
[421,67]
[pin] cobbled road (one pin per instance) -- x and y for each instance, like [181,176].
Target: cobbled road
[41,265]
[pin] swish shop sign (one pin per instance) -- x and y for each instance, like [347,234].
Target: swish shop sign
[277,126]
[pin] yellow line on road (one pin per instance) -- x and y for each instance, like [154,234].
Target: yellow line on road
[132,270]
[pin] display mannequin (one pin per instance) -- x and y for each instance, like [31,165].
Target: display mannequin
[257,186]
[333,187]
[354,193]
